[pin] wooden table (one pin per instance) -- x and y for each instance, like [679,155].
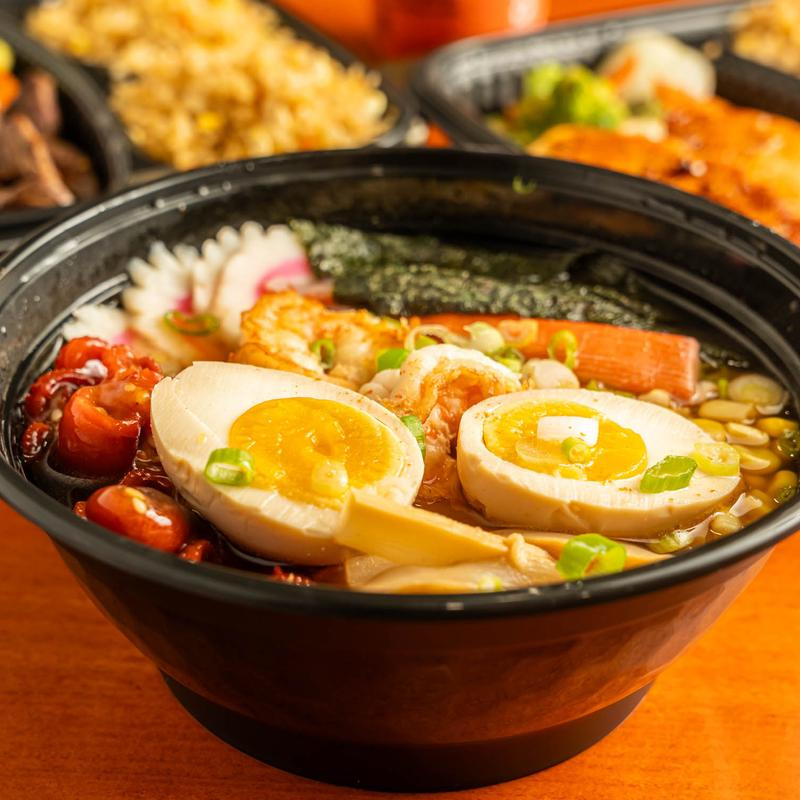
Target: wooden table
[83,715]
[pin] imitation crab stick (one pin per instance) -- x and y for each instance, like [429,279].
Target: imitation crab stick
[628,359]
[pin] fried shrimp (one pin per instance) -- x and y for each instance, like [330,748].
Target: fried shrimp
[280,332]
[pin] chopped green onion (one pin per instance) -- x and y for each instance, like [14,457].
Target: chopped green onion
[424,341]
[576,450]
[669,474]
[716,458]
[509,357]
[417,431]
[788,444]
[672,542]
[192,325]
[594,386]
[568,341]
[591,554]
[325,351]
[391,358]
[489,583]
[722,388]
[394,323]
[230,466]
[521,186]
[485,337]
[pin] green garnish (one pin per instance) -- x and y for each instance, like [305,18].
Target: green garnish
[668,475]
[788,444]
[191,324]
[567,341]
[591,554]
[672,542]
[325,351]
[391,358]
[716,458]
[509,357]
[522,186]
[722,388]
[424,341]
[576,450]
[415,426]
[230,466]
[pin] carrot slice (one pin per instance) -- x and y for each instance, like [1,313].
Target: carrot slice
[627,359]
[9,90]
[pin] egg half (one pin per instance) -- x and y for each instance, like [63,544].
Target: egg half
[310,441]
[513,466]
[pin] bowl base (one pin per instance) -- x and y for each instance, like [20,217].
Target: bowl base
[446,767]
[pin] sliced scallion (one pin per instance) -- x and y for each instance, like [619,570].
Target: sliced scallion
[484,337]
[414,425]
[191,324]
[325,351]
[391,358]
[668,475]
[424,341]
[509,357]
[576,450]
[716,458]
[591,554]
[230,466]
[566,341]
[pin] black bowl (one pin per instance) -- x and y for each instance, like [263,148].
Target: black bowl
[408,692]
[88,123]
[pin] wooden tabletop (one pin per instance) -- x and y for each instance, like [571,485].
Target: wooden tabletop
[84,715]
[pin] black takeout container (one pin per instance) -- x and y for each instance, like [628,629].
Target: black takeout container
[461,83]
[402,111]
[419,692]
[87,123]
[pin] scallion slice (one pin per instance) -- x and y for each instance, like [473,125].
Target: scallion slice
[414,424]
[668,475]
[591,554]
[484,337]
[191,325]
[509,357]
[391,358]
[230,466]
[566,341]
[576,450]
[325,351]
[424,341]
[716,458]
[788,444]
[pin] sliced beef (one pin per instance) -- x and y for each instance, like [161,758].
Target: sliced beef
[38,99]
[76,169]
[25,153]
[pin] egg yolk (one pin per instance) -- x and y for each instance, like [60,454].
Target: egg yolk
[314,450]
[511,434]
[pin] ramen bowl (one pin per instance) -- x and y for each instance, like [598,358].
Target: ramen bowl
[408,692]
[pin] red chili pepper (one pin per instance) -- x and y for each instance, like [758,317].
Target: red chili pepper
[198,550]
[290,577]
[99,431]
[145,515]
[76,352]
[53,385]
[35,440]
[154,477]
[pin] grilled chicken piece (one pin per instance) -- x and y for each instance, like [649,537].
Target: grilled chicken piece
[742,158]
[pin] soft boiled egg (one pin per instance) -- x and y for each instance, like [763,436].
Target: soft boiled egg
[310,442]
[514,466]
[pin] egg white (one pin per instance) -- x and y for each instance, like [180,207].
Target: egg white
[510,494]
[192,414]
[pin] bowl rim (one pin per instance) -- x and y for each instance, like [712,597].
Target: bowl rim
[114,148]
[252,590]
